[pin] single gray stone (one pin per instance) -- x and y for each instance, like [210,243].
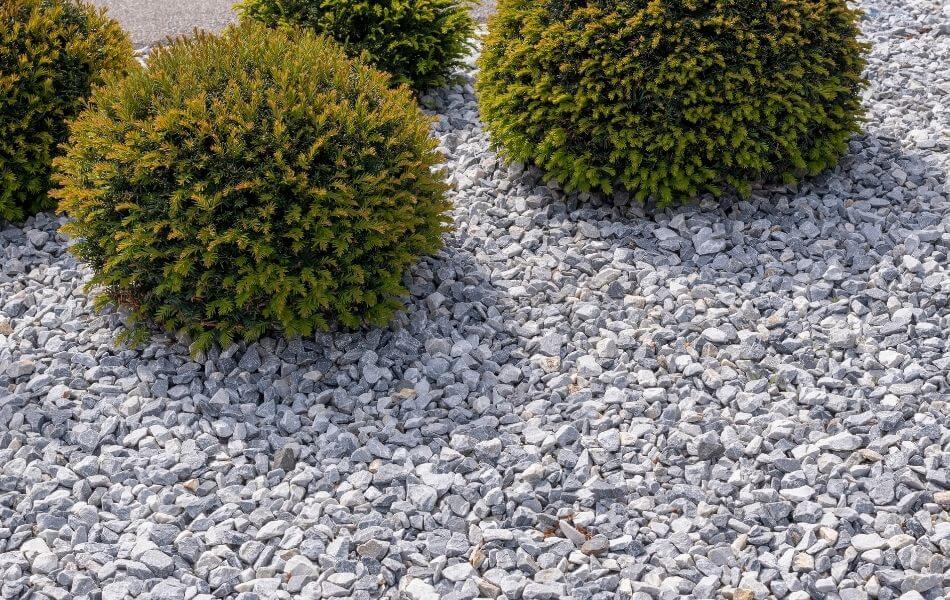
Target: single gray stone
[422,496]
[160,563]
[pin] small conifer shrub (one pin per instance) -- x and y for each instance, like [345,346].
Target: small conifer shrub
[417,42]
[52,52]
[250,181]
[669,99]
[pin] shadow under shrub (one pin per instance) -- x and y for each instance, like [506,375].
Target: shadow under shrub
[52,53]
[670,99]
[249,181]
[418,42]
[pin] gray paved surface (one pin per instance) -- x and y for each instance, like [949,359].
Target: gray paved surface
[482,9]
[151,21]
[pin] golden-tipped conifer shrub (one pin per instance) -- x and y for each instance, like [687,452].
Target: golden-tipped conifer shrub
[52,53]
[417,42]
[250,181]
[672,98]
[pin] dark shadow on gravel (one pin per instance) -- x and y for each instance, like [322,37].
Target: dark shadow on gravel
[796,216]
[437,363]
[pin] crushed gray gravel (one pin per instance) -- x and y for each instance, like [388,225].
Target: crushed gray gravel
[583,399]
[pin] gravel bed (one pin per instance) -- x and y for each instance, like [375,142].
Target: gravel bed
[583,399]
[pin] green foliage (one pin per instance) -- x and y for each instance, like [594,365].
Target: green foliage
[672,98]
[418,42]
[52,52]
[250,181]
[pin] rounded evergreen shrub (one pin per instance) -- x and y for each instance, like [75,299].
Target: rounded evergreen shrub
[672,98]
[417,42]
[52,52]
[250,181]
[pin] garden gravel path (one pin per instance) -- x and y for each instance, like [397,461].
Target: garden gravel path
[582,400]
[149,22]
